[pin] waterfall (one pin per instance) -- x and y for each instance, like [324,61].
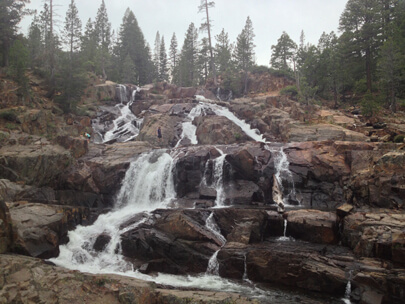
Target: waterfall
[213,227]
[283,173]
[348,290]
[285,237]
[126,126]
[148,184]
[213,265]
[188,129]
[218,179]
[122,93]
[245,275]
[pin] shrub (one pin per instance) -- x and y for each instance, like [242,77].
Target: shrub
[289,91]
[399,138]
[369,105]
[9,115]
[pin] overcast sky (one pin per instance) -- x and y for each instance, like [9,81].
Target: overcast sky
[269,18]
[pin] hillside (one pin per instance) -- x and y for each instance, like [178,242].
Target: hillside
[301,195]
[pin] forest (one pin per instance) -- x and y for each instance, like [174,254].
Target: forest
[363,64]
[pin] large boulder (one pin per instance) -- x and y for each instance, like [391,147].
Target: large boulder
[313,226]
[39,229]
[169,125]
[178,241]
[213,129]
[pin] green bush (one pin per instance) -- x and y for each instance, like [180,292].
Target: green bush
[360,86]
[289,91]
[8,115]
[260,69]
[369,105]
[399,138]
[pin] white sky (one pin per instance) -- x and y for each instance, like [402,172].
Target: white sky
[269,18]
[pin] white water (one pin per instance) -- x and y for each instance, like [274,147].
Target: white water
[212,226]
[285,237]
[281,164]
[148,184]
[222,111]
[123,125]
[348,290]
[213,265]
[188,129]
[218,181]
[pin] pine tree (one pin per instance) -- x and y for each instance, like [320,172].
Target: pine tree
[244,51]
[362,21]
[204,60]
[173,56]
[35,46]
[206,26]
[73,29]
[223,51]
[103,30]
[163,68]
[156,54]
[132,42]
[11,12]
[188,72]
[19,64]
[88,46]
[283,53]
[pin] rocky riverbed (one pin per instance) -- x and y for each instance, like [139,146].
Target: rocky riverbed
[342,222]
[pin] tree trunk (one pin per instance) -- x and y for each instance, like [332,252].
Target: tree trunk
[212,64]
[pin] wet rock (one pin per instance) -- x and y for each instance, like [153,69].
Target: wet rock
[213,129]
[39,229]
[101,242]
[313,226]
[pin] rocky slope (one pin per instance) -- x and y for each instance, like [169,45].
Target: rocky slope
[344,187]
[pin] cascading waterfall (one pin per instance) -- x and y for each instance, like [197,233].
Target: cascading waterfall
[188,129]
[281,164]
[213,265]
[148,184]
[348,290]
[285,237]
[218,180]
[126,126]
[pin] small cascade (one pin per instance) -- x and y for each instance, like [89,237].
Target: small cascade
[213,227]
[126,126]
[285,237]
[245,275]
[282,174]
[219,94]
[121,92]
[348,290]
[218,179]
[213,265]
[188,129]
[148,184]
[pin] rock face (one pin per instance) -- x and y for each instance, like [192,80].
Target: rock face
[35,165]
[39,229]
[29,279]
[212,129]
[5,228]
[378,235]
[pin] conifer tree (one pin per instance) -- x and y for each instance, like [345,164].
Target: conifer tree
[73,29]
[188,73]
[223,51]
[11,12]
[88,46]
[163,68]
[173,56]
[283,53]
[244,51]
[103,30]
[206,26]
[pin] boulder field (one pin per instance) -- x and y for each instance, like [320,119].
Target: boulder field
[344,218]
